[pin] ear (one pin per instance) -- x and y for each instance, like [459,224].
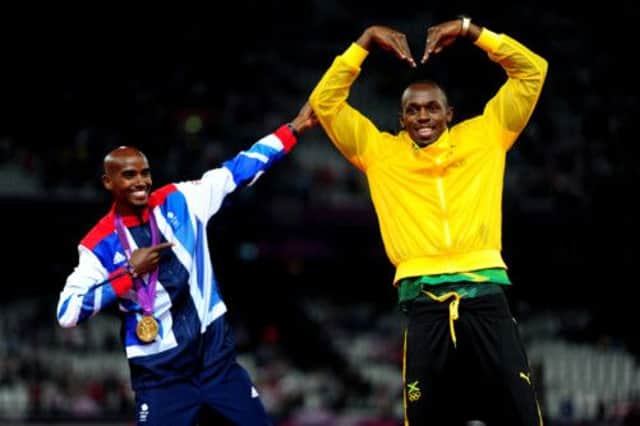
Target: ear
[449,114]
[107,182]
[401,121]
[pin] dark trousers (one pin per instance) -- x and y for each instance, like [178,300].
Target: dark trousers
[228,398]
[484,376]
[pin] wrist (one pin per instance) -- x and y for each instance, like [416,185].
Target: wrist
[131,270]
[364,40]
[293,129]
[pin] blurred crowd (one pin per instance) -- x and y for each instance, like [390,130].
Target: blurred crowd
[347,374]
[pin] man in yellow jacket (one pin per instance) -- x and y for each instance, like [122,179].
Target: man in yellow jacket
[437,191]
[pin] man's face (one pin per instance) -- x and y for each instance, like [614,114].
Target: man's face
[425,113]
[128,177]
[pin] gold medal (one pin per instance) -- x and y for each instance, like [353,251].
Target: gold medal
[147,329]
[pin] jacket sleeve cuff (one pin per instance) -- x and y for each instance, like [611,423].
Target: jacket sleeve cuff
[355,55]
[121,281]
[286,136]
[488,41]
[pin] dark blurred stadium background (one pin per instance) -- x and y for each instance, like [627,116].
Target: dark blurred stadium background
[299,256]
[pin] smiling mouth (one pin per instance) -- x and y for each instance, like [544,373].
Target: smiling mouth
[425,132]
[139,195]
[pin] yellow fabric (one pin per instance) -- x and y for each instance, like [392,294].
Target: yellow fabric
[438,207]
[453,309]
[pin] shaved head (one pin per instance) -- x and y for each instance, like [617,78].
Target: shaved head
[127,176]
[113,160]
[422,85]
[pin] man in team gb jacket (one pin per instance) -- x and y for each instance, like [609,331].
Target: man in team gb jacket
[150,255]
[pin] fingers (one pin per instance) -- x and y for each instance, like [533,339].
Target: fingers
[305,119]
[308,112]
[161,246]
[431,45]
[145,259]
[390,40]
[440,37]
[311,116]
[430,51]
[406,56]
[305,110]
[401,48]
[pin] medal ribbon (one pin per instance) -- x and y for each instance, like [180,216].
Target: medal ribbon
[146,293]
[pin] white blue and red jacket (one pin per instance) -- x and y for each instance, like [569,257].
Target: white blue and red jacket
[188,307]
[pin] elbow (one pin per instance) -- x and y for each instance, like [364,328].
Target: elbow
[320,103]
[314,101]
[544,68]
[323,106]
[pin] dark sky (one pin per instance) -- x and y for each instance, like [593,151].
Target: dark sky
[101,52]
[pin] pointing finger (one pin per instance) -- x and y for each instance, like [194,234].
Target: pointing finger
[161,246]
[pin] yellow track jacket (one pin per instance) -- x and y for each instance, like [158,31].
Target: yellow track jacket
[439,207]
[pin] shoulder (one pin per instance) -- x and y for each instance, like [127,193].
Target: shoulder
[390,145]
[160,195]
[103,228]
[480,131]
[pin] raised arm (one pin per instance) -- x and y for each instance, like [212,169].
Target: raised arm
[512,106]
[354,134]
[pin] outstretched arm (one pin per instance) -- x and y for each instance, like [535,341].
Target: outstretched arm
[205,196]
[248,165]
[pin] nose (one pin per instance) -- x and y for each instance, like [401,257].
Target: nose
[423,114]
[141,180]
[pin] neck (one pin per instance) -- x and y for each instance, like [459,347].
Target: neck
[128,210]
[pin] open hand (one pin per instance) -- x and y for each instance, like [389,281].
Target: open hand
[387,39]
[441,36]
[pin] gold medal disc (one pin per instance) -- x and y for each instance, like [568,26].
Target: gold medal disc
[147,329]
